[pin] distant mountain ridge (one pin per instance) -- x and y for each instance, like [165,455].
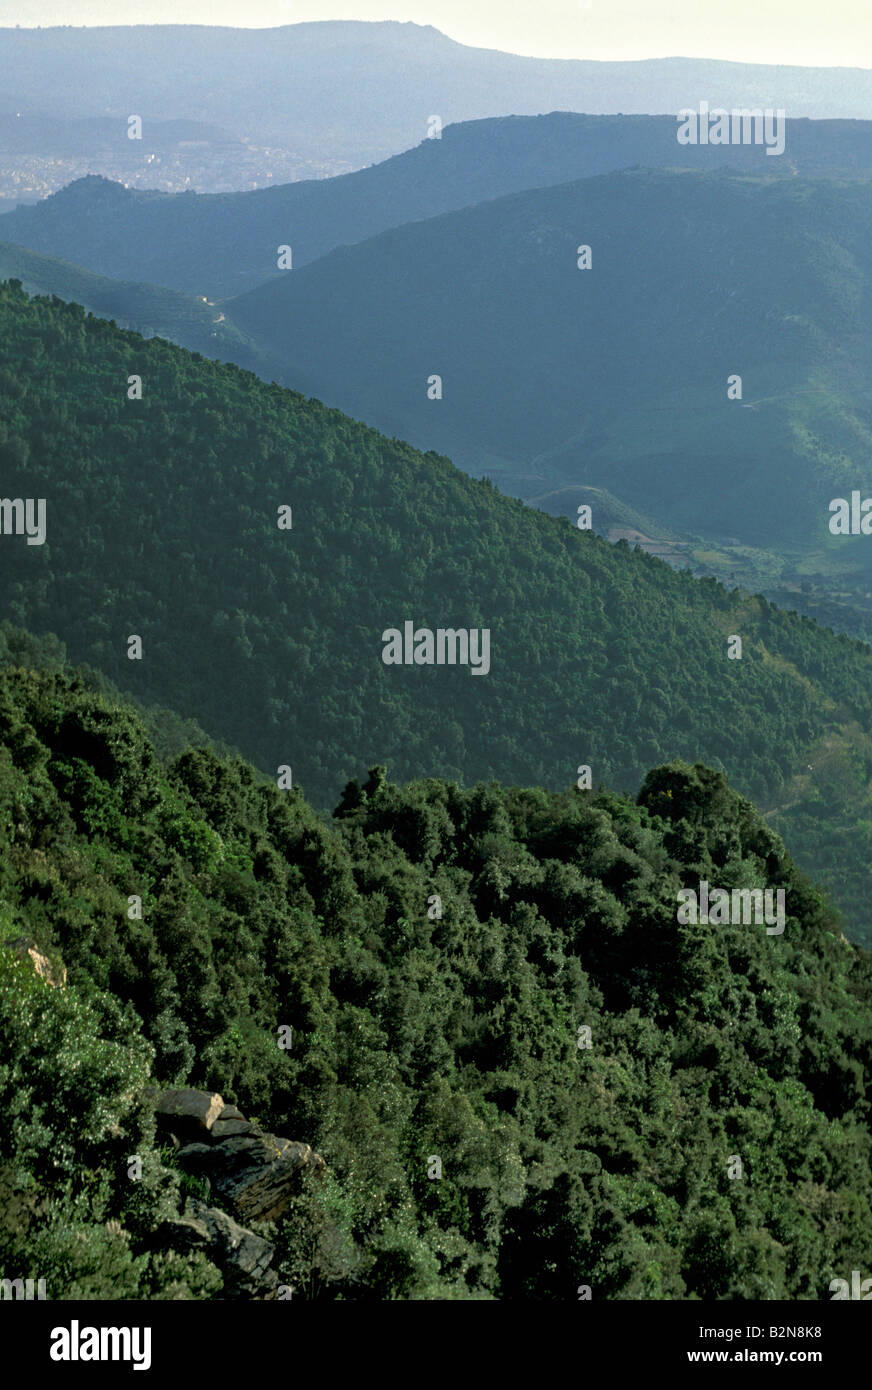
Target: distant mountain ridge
[551,387]
[359,92]
[616,376]
[224,244]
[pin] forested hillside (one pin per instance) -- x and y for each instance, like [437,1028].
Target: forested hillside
[696,344]
[615,375]
[597,1071]
[162,523]
[220,245]
[145,308]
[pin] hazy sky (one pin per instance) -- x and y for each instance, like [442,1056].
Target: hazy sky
[838,32]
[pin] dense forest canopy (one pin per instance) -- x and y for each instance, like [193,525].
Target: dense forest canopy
[439,953]
[162,523]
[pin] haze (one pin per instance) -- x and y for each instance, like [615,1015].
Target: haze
[782,31]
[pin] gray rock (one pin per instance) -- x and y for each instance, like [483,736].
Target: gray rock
[185,1111]
[255,1176]
[235,1149]
[226,1129]
[260,1189]
[253,1173]
[243,1257]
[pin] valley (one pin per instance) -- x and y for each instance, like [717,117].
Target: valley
[341,362]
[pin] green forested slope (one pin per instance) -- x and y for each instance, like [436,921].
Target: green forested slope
[161,519]
[420,1031]
[145,308]
[615,376]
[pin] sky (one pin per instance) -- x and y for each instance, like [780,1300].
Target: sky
[808,32]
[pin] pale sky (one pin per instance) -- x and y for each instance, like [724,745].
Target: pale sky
[837,33]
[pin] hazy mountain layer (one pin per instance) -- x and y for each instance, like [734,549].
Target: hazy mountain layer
[624,375]
[221,245]
[359,92]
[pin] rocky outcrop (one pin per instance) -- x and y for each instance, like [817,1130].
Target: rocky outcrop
[26,948]
[243,1257]
[251,1173]
[184,1111]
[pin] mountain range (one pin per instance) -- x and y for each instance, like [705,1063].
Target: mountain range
[420,599]
[445,261]
[709,368]
[347,93]
[221,245]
